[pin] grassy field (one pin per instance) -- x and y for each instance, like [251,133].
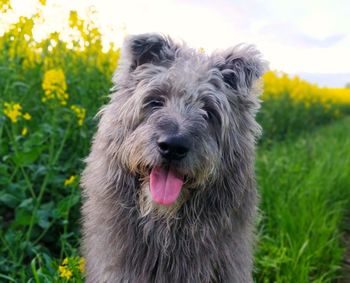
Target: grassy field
[305,193]
[51,90]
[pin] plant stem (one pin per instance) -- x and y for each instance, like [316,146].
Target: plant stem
[52,162]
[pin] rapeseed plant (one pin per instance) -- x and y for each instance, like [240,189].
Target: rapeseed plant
[27,116]
[64,272]
[69,181]
[13,111]
[55,86]
[24,131]
[277,84]
[80,113]
[71,267]
[82,265]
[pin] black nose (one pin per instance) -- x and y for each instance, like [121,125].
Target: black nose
[173,147]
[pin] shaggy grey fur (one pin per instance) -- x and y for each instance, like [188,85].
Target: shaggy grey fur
[164,87]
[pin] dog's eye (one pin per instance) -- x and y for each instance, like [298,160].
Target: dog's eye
[206,115]
[154,103]
[211,116]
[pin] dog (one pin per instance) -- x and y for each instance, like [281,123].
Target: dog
[169,191]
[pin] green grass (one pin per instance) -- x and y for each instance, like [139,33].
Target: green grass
[305,190]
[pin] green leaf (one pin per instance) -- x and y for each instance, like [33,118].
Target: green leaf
[27,204]
[20,85]
[35,140]
[4,148]
[66,204]
[43,219]
[23,217]
[38,170]
[26,158]
[9,200]
[44,213]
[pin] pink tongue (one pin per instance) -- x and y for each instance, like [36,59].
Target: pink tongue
[165,185]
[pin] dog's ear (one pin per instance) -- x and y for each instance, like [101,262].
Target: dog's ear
[148,48]
[241,66]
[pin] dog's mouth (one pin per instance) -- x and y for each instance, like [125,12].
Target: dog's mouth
[165,184]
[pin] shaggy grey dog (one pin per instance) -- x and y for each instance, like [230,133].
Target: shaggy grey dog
[169,186]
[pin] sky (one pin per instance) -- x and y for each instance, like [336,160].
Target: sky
[309,38]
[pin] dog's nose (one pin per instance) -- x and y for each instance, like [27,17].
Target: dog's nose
[173,147]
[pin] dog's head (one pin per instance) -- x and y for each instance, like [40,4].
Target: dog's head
[178,118]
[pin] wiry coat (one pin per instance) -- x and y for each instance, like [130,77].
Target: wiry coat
[206,236]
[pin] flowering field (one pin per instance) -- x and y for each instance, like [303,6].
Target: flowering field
[51,90]
[292,106]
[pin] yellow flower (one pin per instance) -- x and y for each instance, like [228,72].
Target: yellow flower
[54,86]
[82,265]
[80,113]
[68,182]
[277,84]
[24,131]
[73,18]
[65,261]
[54,79]
[27,116]
[12,111]
[5,5]
[65,272]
